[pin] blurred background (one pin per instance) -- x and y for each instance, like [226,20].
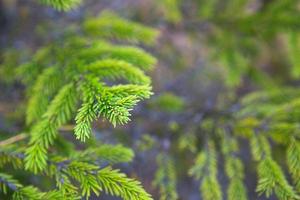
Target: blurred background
[210,54]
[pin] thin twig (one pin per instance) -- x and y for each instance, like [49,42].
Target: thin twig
[13,139]
[22,136]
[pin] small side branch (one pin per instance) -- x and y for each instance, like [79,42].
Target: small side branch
[13,139]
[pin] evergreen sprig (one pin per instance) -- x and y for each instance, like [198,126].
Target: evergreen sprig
[63,5]
[80,79]
[165,177]
[205,170]
[59,89]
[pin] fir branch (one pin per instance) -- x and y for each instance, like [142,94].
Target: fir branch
[44,132]
[106,153]
[116,69]
[45,87]
[117,184]
[110,25]
[270,176]
[165,178]
[7,182]
[293,161]
[233,167]
[205,169]
[63,5]
[271,179]
[130,54]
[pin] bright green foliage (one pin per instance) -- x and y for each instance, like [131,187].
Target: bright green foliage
[279,123]
[188,142]
[168,102]
[205,169]
[170,10]
[45,131]
[241,30]
[271,179]
[81,78]
[165,177]
[270,176]
[234,168]
[106,153]
[109,25]
[78,168]
[11,156]
[7,182]
[63,5]
[76,177]
[82,74]
[293,45]
[115,183]
[256,45]
[241,34]
[293,161]
[4,180]
[59,90]
[8,59]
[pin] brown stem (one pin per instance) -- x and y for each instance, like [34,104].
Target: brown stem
[13,139]
[22,136]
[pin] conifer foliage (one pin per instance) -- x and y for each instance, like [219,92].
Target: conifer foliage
[80,79]
[63,5]
[239,33]
[98,72]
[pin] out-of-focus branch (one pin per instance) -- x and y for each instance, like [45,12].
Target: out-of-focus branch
[23,136]
[13,139]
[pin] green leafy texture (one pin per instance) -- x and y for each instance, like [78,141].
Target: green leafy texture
[205,169]
[28,72]
[207,8]
[241,31]
[20,192]
[236,190]
[293,161]
[234,62]
[106,154]
[293,48]
[112,103]
[114,69]
[62,5]
[165,177]
[110,25]
[270,104]
[115,183]
[171,10]
[95,68]
[8,61]
[28,192]
[145,143]
[270,176]
[233,167]
[7,182]
[260,147]
[83,173]
[44,133]
[92,179]
[130,54]
[11,155]
[45,87]
[169,102]
[188,142]
[77,176]
[100,80]
[279,123]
